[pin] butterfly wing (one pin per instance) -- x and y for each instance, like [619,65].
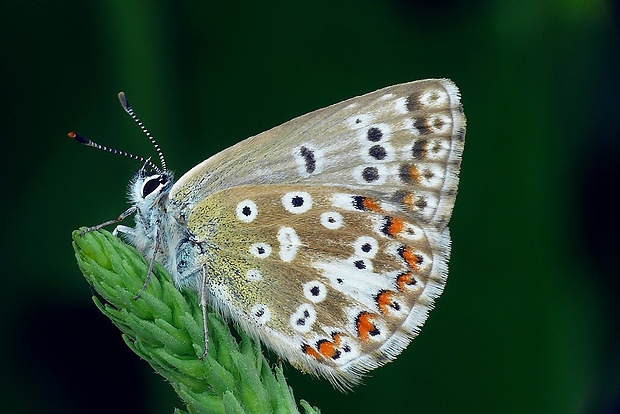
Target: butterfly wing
[403,143]
[334,281]
[326,236]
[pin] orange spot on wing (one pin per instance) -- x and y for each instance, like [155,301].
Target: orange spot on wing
[371,205]
[308,350]
[327,348]
[337,338]
[396,226]
[414,173]
[365,327]
[404,280]
[409,201]
[384,301]
[413,260]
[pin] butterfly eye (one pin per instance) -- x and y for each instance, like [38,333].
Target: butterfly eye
[151,184]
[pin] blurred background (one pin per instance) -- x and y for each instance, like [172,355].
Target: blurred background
[529,321]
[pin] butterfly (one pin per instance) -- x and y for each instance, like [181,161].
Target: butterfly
[325,237]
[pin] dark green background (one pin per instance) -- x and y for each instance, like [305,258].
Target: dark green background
[529,319]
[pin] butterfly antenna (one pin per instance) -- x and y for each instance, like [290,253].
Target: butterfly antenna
[85,141]
[129,110]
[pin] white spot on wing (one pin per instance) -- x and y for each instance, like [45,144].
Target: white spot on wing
[303,318]
[260,313]
[253,275]
[289,243]
[332,220]
[297,202]
[400,105]
[408,125]
[434,98]
[411,232]
[260,250]
[343,201]
[246,211]
[432,176]
[366,246]
[315,291]
[437,150]
[444,122]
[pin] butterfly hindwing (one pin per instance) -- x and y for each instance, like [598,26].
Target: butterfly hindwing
[332,279]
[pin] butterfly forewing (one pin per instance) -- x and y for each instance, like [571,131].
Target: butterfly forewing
[403,142]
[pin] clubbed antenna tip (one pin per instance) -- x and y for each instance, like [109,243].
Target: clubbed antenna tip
[125,104]
[77,137]
[123,100]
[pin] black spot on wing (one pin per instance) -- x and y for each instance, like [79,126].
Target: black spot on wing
[309,158]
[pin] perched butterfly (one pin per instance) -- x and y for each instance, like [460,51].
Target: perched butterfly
[326,237]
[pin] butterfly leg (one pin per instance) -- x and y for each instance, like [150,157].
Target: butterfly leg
[156,236]
[122,217]
[123,230]
[203,306]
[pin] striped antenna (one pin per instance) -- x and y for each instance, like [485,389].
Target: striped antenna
[85,141]
[129,110]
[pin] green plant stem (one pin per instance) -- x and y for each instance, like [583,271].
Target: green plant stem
[164,327]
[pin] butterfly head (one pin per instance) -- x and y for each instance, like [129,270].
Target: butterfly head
[148,188]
